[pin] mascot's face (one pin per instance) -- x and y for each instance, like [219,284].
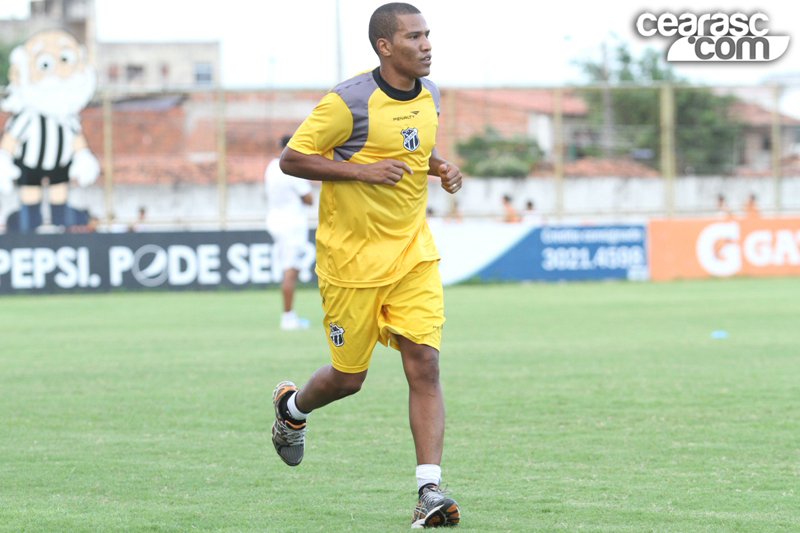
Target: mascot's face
[53,54]
[50,73]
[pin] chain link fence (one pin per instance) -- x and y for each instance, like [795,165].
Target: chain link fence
[196,159]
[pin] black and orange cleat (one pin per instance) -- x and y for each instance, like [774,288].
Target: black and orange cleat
[288,437]
[435,509]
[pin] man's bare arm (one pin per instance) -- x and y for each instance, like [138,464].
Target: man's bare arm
[434,163]
[450,174]
[317,167]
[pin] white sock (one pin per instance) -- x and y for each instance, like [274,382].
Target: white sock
[296,413]
[428,474]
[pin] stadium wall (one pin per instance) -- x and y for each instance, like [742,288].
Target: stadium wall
[183,205]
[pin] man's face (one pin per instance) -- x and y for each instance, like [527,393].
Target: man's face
[53,53]
[411,50]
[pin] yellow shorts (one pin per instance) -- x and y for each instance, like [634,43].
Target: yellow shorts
[357,318]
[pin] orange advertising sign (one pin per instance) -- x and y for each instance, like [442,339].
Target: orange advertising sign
[702,248]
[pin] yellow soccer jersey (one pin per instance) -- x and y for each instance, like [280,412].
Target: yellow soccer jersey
[372,235]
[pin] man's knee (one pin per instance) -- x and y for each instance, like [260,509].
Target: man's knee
[348,384]
[422,363]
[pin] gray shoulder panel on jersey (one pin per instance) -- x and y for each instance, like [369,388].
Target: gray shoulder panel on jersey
[428,84]
[355,93]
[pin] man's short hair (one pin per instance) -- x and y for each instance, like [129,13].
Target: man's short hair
[383,22]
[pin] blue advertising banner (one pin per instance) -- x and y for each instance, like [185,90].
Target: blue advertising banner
[573,253]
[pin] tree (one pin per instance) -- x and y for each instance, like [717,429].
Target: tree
[5,53]
[490,155]
[706,132]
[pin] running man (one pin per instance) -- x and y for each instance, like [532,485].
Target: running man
[371,141]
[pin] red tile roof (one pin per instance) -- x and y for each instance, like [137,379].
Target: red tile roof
[164,170]
[755,115]
[531,100]
[593,167]
[790,166]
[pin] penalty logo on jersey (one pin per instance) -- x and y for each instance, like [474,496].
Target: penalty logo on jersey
[337,335]
[410,139]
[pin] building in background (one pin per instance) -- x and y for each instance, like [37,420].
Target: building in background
[157,66]
[74,16]
[510,112]
[755,146]
[122,66]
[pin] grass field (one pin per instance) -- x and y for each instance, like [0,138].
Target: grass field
[599,407]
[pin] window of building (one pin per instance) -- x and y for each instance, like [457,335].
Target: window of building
[766,142]
[164,71]
[38,8]
[134,73]
[203,74]
[113,73]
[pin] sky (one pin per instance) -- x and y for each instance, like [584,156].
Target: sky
[269,43]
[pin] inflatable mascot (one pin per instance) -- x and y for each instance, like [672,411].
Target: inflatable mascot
[50,82]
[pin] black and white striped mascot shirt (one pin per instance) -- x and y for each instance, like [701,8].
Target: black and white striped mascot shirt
[44,146]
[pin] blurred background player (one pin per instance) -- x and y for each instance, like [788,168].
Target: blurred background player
[531,216]
[141,221]
[510,214]
[454,214]
[288,224]
[722,207]
[751,207]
